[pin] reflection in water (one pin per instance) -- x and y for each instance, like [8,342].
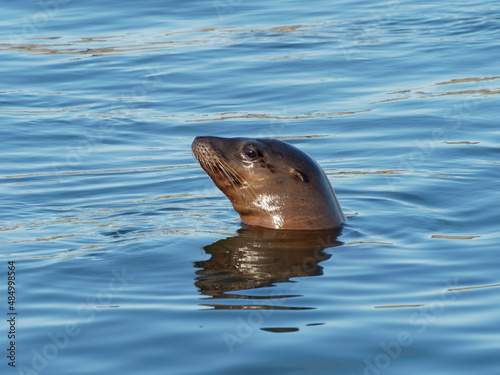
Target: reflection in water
[259,257]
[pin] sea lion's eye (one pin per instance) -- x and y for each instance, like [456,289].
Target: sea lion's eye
[251,152]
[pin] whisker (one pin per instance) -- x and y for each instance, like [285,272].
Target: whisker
[214,164]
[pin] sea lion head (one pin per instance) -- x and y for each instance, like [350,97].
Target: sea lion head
[270,183]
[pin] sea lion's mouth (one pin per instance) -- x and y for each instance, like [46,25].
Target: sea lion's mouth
[212,161]
[222,172]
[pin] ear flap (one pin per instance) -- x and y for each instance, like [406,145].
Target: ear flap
[299,175]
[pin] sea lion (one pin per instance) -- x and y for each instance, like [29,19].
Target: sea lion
[270,183]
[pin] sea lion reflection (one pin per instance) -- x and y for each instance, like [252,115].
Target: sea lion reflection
[259,257]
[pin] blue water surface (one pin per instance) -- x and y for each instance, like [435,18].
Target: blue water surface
[130,261]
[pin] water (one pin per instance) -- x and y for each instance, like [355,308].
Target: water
[129,260]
